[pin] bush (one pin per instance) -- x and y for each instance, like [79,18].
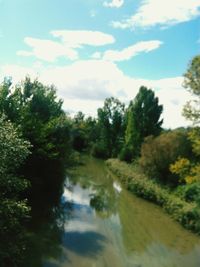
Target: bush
[158,153]
[192,192]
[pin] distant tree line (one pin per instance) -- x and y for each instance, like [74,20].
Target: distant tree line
[119,131]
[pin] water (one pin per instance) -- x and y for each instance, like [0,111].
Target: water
[108,226]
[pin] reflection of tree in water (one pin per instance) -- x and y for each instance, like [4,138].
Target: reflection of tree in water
[94,176]
[45,235]
[104,200]
[46,227]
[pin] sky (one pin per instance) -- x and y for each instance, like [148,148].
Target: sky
[93,49]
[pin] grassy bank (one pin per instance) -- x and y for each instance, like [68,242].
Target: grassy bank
[188,214]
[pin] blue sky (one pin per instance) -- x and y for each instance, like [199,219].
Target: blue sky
[92,49]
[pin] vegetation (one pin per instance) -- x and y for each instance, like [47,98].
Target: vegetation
[187,213]
[84,132]
[111,129]
[192,84]
[157,153]
[14,210]
[143,119]
[167,167]
[38,142]
[31,113]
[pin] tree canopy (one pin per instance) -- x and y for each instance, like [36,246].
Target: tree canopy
[111,128]
[191,110]
[143,119]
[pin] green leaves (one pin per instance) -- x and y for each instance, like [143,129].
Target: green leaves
[13,210]
[143,119]
[191,110]
[111,128]
[33,111]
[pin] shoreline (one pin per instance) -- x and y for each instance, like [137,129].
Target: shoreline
[186,213]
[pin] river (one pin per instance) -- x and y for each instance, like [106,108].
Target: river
[107,226]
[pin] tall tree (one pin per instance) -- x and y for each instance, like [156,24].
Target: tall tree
[110,124]
[143,119]
[192,83]
[191,110]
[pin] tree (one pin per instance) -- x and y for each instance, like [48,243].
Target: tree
[13,208]
[111,128]
[34,108]
[143,119]
[188,169]
[192,83]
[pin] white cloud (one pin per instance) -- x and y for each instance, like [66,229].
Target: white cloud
[162,13]
[114,3]
[18,73]
[48,50]
[78,38]
[79,226]
[85,84]
[131,51]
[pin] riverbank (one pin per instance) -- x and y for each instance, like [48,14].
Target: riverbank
[188,214]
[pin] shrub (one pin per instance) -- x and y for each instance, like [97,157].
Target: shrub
[186,171]
[158,153]
[192,192]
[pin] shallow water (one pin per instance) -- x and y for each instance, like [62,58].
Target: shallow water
[108,226]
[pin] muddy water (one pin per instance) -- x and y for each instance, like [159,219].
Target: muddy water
[110,227]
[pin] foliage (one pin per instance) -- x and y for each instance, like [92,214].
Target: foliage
[191,112]
[187,171]
[157,153]
[181,167]
[143,119]
[13,209]
[126,153]
[190,192]
[194,137]
[192,82]
[111,128]
[188,214]
[35,109]
[84,132]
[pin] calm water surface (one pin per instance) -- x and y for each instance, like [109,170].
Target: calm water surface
[108,226]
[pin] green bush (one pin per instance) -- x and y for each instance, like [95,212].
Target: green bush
[158,153]
[190,193]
